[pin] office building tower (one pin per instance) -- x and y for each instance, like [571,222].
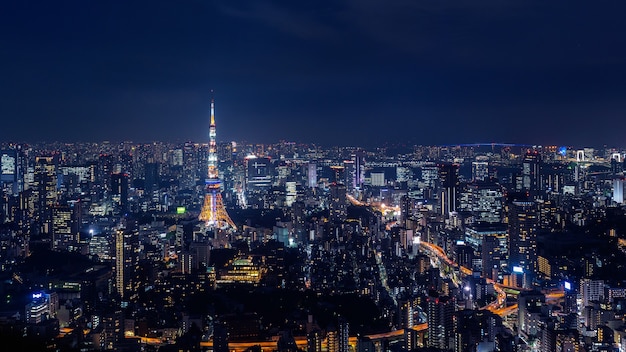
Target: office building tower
[105,167]
[523,224]
[529,312]
[152,177]
[10,177]
[338,202]
[312,175]
[45,191]
[618,190]
[486,202]
[126,264]
[449,188]
[43,306]
[494,252]
[213,211]
[291,193]
[357,173]
[119,190]
[259,173]
[530,181]
[65,223]
[480,170]
[591,291]
[121,272]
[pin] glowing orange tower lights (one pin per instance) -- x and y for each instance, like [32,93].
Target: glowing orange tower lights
[213,211]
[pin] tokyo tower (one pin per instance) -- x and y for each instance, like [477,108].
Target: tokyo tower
[213,211]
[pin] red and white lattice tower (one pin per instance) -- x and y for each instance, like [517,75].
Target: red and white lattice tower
[213,211]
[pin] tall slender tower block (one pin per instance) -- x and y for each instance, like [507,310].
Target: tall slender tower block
[213,211]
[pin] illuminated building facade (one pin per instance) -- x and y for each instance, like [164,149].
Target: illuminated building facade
[241,271]
[480,170]
[531,173]
[523,223]
[448,194]
[10,171]
[213,211]
[440,315]
[119,190]
[45,191]
[64,226]
[258,173]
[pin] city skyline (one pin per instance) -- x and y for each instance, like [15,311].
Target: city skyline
[350,73]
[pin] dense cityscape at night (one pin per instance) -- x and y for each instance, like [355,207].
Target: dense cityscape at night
[313,176]
[233,246]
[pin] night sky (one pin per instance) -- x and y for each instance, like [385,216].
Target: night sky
[342,72]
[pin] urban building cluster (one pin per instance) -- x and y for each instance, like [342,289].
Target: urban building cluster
[288,247]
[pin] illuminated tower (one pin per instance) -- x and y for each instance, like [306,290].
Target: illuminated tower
[213,211]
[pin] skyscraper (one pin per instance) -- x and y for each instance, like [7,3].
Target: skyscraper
[440,317]
[45,191]
[312,174]
[480,170]
[10,170]
[338,203]
[531,173]
[119,190]
[64,226]
[449,187]
[523,223]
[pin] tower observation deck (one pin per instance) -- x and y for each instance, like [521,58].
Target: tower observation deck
[213,210]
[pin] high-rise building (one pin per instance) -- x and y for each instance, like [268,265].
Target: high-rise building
[259,173]
[531,173]
[314,341]
[312,175]
[480,170]
[440,315]
[10,171]
[523,224]
[358,173]
[486,201]
[120,267]
[65,226]
[126,263]
[45,191]
[119,190]
[472,327]
[105,169]
[449,187]
[494,252]
[529,312]
[618,190]
[152,177]
[338,203]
